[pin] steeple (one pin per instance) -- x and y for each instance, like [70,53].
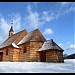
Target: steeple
[11,29]
[11,32]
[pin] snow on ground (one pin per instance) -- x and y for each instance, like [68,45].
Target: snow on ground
[38,67]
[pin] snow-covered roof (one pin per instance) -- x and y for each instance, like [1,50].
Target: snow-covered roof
[14,45]
[50,44]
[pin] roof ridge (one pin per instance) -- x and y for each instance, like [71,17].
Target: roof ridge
[57,45]
[20,31]
[33,30]
[40,33]
[26,36]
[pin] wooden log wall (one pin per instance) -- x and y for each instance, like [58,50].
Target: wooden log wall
[54,56]
[8,57]
[16,54]
[24,57]
[34,47]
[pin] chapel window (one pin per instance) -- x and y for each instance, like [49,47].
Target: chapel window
[24,50]
[6,51]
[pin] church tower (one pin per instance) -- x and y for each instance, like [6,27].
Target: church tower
[11,32]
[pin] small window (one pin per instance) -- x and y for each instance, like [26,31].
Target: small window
[24,51]
[6,51]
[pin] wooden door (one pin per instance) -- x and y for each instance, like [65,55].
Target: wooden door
[42,56]
[1,56]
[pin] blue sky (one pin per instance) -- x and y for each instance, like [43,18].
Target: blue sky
[55,20]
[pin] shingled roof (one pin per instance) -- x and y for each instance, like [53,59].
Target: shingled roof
[26,38]
[11,40]
[30,36]
[50,44]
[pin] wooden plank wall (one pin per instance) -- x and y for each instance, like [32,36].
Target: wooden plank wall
[34,47]
[8,57]
[25,56]
[16,54]
[53,56]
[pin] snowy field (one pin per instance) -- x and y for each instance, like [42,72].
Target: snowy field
[38,67]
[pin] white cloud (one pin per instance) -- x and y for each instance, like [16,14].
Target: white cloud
[71,47]
[29,9]
[69,10]
[47,38]
[33,19]
[5,25]
[60,44]
[35,2]
[4,29]
[65,8]
[17,22]
[48,31]
[65,3]
[47,17]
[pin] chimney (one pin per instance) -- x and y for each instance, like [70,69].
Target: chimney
[11,32]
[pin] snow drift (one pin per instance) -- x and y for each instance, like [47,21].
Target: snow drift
[38,67]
